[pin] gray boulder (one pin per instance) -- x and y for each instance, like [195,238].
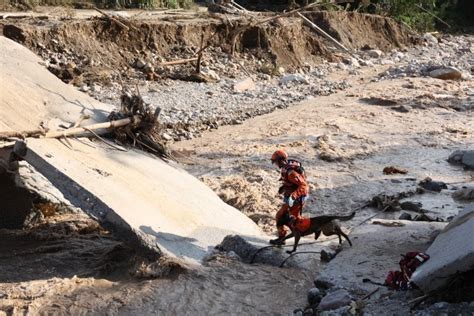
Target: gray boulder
[314,296]
[405,216]
[250,253]
[334,300]
[323,283]
[462,157]
[464,194]
[245,85]
[430,38]
[292,78]
[446,73]
[374,53]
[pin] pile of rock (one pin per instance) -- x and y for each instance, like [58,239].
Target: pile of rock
[326,299]
[447,58]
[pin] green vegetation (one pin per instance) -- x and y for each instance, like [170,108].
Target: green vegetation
[417,14]
[110,4]
[423,15]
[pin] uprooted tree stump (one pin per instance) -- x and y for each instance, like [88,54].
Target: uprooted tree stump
[144,133]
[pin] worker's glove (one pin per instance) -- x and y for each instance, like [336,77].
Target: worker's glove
[290,201]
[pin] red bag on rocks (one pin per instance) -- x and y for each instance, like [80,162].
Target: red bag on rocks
[399,280]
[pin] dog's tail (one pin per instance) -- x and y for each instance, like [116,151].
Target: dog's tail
[347,217]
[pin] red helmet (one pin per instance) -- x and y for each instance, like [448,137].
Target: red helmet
[280,154]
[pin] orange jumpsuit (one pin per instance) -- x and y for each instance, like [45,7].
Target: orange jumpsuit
[296,188]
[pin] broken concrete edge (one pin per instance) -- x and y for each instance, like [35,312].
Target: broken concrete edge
[95,208]
[450,254]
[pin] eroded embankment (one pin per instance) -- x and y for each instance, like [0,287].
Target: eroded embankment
[94,49]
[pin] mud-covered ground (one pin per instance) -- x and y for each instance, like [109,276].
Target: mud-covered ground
[386,113]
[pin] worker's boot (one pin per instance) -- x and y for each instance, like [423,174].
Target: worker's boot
[277,241]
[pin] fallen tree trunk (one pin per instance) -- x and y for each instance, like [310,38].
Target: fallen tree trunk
[94,127]
[71,131]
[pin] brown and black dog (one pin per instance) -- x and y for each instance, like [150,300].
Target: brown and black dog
[328,225]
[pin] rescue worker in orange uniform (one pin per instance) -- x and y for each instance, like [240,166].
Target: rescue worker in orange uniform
[294,189]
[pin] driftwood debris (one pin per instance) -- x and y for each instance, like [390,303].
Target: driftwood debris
[241,29]
[5,136]
[238,6]
[74,131]
[199,58]
[135,124]
[111,18]
[94,127]
[322,32]
[178,61]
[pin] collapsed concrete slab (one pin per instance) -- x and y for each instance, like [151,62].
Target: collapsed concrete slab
[451,253]
[146,201]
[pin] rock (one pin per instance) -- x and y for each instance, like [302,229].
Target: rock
[393,170]
[351,61]
[232,255]
[440,305]
[342,311]
[429,38]
[291,78]
[405,216]
[323,283]
[451,253]
[245,85]
[314,296]
[95,87]
[366,63]
[411,206]
[84,88]
[425,218]
[248,252]
[446,73]
[166,136]
[139,63]
[464,194]
[456,156]
[430,185]
[466,76]
[148,68]
[374,53]
[327,255]
[401,108]
[267,69]
[160,70]
[210,74]
[280,71]
[399,55]
[342,66]
[71,65]
[334,300]
[468,159]
[464,157]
